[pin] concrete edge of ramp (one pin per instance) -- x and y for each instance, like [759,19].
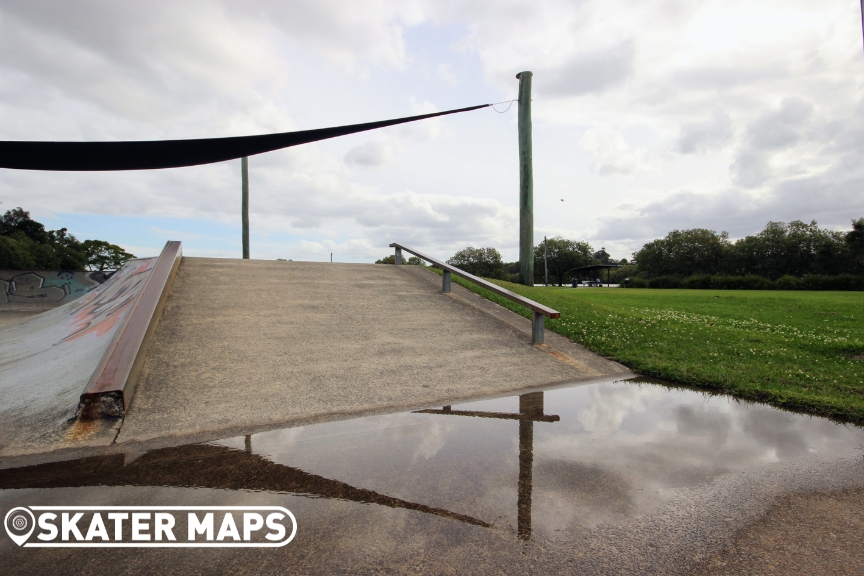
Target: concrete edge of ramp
[109,390]
[135,448]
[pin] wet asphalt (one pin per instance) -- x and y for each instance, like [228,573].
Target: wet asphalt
[615,477]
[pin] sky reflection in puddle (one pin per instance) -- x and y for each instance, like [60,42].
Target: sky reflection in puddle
[539,464]
[546,461]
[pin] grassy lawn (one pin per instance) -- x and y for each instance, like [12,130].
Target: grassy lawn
[793,349]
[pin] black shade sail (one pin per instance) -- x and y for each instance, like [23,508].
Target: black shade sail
[156,154]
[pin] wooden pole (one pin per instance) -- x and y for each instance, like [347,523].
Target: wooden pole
[244,169]
[530,406]
[526,183]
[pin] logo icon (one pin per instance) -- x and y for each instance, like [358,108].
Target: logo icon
[19,523]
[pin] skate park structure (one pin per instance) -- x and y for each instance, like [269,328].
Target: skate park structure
[176,348]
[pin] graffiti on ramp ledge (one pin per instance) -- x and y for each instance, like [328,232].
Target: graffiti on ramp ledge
[99,311]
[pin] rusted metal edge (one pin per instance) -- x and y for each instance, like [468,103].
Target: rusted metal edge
[527,302]
[109,390]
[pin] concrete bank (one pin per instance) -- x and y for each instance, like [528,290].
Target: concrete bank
[254,344]
[246,345]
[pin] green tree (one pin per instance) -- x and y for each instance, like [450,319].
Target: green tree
[563,255]
[15,255]
[483,262]
[602,257]
[684,252]
[855,242]
[101,255]
[26,245]
[391,259]
[793,249]
[69,252]
[617,275]
[18,220]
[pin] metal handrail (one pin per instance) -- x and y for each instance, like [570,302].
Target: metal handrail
[538,309]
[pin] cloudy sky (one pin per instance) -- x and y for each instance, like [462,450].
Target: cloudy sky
[649,115]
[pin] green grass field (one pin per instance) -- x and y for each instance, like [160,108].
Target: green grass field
[795,349]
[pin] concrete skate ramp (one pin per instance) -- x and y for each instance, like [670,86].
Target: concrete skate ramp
[238,346]
[246,344]
[47,360]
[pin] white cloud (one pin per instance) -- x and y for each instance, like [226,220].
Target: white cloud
[593,72]
[705,136]
[181,235]
[445,72]
[610,152]
[758,99]
[370,153]
[383,147]
[608,407]
[766,137]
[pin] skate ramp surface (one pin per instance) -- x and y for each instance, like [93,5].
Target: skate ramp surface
[46,360]
[251,345]
[246,344]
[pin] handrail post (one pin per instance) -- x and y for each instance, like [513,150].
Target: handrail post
[398,256]
[537,328]
[445,284]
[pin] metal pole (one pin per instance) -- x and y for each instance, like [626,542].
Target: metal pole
[331,257]
[545,264]
[244,169]
[537,329]
[445,282]
[526,183]
[398,259]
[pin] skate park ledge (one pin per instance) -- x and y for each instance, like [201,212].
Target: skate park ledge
[109,390]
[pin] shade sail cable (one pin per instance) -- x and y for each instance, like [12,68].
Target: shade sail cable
[157,154]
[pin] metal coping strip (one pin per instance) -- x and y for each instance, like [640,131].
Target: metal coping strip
[527,302]
[110,388]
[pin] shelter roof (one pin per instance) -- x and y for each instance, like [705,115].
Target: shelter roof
[593,267]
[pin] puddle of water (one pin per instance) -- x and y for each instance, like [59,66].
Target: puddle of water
[539,464]
[545,462]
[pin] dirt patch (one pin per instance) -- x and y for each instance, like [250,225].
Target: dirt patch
[565,358]
[803,534]
[859,356]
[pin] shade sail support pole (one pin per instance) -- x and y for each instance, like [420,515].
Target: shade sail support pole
[526,183]
[244,169]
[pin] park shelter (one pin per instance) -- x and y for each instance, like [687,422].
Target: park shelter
[582,270]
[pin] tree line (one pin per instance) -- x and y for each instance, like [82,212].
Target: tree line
[795,249]
[780,256]
[25,244]
[562,255]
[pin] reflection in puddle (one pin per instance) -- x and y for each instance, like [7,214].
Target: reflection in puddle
[530,411]
[543,463]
